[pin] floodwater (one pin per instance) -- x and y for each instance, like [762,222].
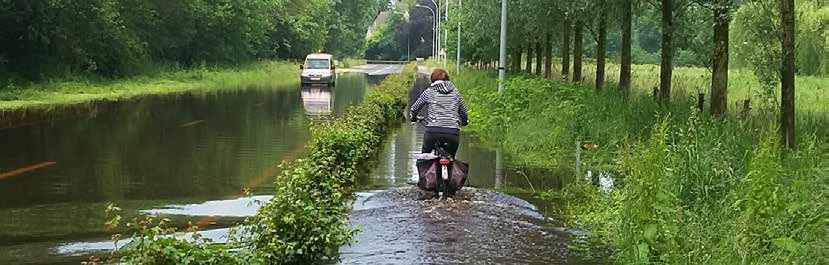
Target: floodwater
[402,225]
[189,156]
[192,157]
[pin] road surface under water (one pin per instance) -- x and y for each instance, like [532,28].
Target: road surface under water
[402,225]
[190,156]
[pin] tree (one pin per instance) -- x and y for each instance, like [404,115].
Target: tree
[601,45]
[787,113]
[578,50]
[666,66]
[719,71]
[529,65]
[548,54]
[565,47]
[626,60]
[538,51]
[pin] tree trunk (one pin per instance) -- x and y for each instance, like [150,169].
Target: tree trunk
[548,54]
[624,70]
[666,67]
[578,50]
[601,48]
[538,57]
[719,76]
[529,68]
[565,49]
[787,113]
[516,59]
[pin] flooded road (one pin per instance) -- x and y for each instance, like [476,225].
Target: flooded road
[402,225]
[192,157]
[155,153]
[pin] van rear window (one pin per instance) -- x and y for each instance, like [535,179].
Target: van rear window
[316,64]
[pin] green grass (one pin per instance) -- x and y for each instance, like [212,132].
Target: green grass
[812,91]
[53,94]
[690,189]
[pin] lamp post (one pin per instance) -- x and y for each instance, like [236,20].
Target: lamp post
[434,29]
[502,58]
[437,28]
[458,59]
[446,35]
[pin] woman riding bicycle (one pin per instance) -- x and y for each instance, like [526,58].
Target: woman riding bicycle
[446,111]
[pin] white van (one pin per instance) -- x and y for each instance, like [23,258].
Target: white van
[318,69]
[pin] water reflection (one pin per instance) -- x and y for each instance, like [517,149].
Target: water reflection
[488,168]
[317,101]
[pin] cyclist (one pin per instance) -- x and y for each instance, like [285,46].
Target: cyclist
[446,113]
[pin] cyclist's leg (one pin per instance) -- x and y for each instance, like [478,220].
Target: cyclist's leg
[452,142]
[429,141]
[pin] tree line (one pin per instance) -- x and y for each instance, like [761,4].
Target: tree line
[762,36]
[45,38]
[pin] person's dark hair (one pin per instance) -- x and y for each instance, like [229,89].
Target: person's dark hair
[439,74]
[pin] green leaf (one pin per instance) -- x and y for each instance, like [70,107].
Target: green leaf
[650,232]
[788,244]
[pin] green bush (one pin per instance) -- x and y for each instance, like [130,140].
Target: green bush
[306,221]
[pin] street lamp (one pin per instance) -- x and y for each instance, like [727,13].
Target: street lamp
[434,29]
[446,35]
[437,28]
[458,60]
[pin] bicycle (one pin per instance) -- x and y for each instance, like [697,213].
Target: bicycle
[445,183]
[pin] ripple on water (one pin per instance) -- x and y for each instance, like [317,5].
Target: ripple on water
[405,226]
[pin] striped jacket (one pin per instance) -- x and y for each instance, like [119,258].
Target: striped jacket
[446,109]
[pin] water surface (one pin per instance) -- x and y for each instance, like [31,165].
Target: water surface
[189,155]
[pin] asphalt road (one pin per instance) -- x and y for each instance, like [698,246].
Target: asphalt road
[376,69]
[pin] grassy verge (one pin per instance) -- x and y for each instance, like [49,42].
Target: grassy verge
[689,189]
[54,94]
[688,82]
[306,221]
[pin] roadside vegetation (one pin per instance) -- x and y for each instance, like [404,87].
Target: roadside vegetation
[50,51]
[58,93]
[689,188]
[654,92]
[306,220]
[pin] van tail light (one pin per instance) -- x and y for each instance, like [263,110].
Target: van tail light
[444,161]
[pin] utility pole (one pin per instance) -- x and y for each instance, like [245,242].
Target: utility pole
[502,60]
[437,28]
[458,60]
[446,35]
